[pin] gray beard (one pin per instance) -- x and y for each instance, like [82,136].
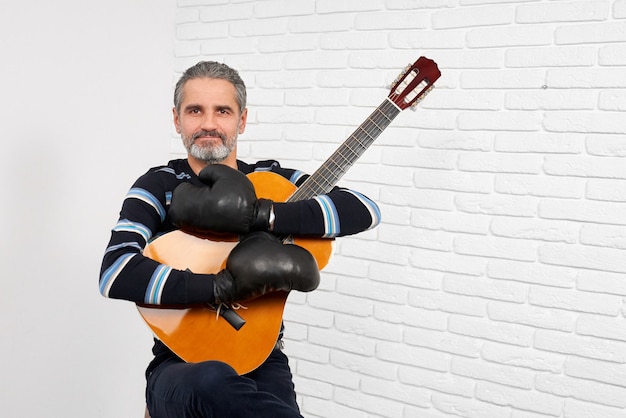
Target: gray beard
[209,154]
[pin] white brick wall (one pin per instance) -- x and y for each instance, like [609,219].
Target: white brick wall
[496,284]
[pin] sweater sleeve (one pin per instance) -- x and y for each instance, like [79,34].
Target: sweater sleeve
[337,213]
[125,272]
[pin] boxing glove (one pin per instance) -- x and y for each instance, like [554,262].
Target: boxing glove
[227,203]
[261,263]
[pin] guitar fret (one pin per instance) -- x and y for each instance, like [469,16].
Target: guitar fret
[327,175]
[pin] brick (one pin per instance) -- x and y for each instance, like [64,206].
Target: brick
[353,6]
[612,55]
[486,288]
[379,291]
[446,302]
[466,100]
[438,159]
[548,143]
[367,366]
[444,342]
[395,390]
[537,317]
[503,79]
[469,141]
[596,258]
[428,239]
[367,327]
[462,17]
[575,301]
[535,229]
[499,163]
[600,371]
[496,373]
[443,261]
[584,211]
[608,190]
[420,39]
[619,9]
[335,302]
[319,408]
[453,181]
[500,121]
[588,347]
[496,247]
[253,28]
[551,57]
[419,4]
[603,327]
[532,273]
[525,357]
[438,382]
[320,23]
[612,100]
[275,8]
[519,398]
[414,356]
[457,405]
[334,338]
[228,46]
[353,41]
[328,373]
[541,186]
[451,221]
[282,43]
[416,198]
[585,78]
[411,316]
[602,282]
[494,331]
[578,409]
[613,31]
[391,20]
[593,167]
[509,36]
[606,145]
[584,390]
[304,350]
[575,11]
[506,205]
[551,99]
[243,11]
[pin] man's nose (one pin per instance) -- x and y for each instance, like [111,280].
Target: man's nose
[209,122]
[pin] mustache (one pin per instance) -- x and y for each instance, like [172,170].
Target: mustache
[212,132]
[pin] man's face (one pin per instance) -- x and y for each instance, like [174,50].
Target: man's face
[209,120]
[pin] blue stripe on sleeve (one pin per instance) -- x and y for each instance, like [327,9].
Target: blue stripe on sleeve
[332,227]
[110,274]
[156,285]
[147,197]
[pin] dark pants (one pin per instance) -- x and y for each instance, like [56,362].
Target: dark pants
[213,389]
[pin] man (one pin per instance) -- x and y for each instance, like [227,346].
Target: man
[208,192]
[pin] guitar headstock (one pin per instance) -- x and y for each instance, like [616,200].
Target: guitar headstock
[414,83]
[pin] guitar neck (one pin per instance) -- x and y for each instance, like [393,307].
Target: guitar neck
[328,174]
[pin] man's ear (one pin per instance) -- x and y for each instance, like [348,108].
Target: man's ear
[176,120]
[242,121]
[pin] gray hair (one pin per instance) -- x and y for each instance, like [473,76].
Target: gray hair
[211,69]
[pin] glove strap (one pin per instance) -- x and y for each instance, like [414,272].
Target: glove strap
[264,219]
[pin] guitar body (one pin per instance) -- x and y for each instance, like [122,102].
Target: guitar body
[198,333]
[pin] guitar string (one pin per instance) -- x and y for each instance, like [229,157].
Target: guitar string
[362,138]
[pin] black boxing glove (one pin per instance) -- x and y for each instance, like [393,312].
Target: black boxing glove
[261,263]
[228,203]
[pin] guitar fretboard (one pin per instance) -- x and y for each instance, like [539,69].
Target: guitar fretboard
[328,174]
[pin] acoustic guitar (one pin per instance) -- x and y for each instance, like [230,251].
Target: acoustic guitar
[243,336]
